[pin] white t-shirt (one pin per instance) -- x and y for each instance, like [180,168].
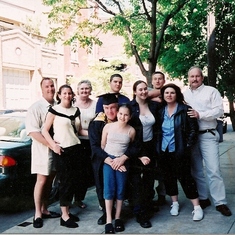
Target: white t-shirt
[41,155]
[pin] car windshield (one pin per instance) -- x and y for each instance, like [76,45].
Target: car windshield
[12,127]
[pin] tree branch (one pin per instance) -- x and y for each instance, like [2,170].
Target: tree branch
[146,11]
[165,24]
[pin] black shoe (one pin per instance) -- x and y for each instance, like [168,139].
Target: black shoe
[109,229]
[102,219]
[119,226]
[51,215]
[74,217]
[205,203]
[224,210]
[144,223]
[68,223]
[37,223]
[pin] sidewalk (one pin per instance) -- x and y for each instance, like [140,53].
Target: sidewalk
[162,222]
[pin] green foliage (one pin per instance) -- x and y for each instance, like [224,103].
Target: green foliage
[99,75]
[142,24]
[225,49]
[185,40]
[171,34]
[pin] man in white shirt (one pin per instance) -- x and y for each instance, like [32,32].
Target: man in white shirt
[42,162]
[207,106]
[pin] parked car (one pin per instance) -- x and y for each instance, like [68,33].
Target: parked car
[15,158]
[15,155]
[5,111]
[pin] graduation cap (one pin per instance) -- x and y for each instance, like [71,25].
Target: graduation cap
[109,98]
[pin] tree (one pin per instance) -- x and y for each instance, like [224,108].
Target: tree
[150,27]
[100,70]
[225,51]
[185,40]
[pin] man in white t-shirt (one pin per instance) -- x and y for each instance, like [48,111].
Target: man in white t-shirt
[42,162]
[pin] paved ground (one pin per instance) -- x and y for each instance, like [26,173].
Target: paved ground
[162,222]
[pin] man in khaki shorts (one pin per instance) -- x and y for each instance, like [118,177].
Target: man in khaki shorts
[42,161]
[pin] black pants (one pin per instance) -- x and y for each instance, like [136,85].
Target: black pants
[87,175]
[177,168]
[141,182]
[69,173]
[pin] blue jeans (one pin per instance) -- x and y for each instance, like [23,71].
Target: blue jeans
[114,183]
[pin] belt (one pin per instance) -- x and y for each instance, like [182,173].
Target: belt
[207,130]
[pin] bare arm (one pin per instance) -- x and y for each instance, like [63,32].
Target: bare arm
[104,136]
[108,160]
[78,125]
[45,132]
[154,93]
[39,137]
[83,132]
[132,134]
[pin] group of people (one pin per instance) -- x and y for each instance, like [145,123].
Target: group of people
[124,145]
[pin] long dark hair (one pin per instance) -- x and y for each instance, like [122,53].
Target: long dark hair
[60,90]
[135,86]
[179,94]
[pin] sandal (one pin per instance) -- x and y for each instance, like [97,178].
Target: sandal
[119,226]
[109,229]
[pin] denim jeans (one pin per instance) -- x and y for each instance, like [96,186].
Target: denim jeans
[114,183]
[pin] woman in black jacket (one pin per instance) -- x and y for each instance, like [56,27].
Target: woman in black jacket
[177,133]
[141,174]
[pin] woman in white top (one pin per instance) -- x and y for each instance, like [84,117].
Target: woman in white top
[116,138]
[64,120]
[87,108]
[142,169]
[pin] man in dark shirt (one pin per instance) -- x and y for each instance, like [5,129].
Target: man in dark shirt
[116,81]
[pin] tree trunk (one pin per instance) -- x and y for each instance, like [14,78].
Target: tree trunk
[211,59]
[232,114]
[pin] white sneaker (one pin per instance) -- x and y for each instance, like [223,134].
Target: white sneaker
[197,214]
[174,209]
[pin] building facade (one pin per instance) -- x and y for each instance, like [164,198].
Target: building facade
[25,58]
